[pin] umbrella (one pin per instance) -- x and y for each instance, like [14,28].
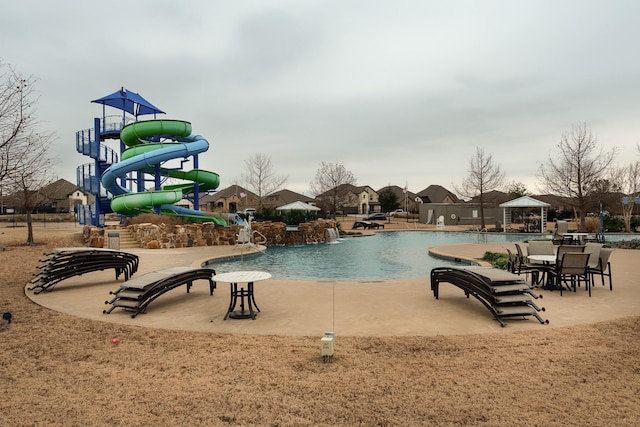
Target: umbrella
[298,206]
[130,102]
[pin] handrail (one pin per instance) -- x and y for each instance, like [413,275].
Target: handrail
[256,232]
[479,232]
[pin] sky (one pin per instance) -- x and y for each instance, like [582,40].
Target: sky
[400,93]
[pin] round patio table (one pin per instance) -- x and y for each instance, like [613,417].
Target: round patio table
[245,295]
[546,262]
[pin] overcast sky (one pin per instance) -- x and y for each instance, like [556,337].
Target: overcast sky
[400,92]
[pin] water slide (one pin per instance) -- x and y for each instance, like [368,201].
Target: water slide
[143,155]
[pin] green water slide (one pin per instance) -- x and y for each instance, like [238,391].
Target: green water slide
[143,155]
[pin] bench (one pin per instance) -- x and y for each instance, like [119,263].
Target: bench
[63,263]
[136,294]
[366,225]
[503,293]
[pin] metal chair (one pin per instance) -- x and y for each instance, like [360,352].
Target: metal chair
[593,249]
[522,266]
[603,267]
[572,270]
[561,228]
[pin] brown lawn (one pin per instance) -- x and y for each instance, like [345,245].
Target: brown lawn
[57,369]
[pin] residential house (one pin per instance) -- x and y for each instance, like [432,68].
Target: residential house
[349,199]
[60,196]
[230,199]
[284,197]
[437,194]
[406,199]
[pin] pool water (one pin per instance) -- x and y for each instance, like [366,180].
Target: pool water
[384,256]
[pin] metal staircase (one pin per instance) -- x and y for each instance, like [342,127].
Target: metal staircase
[88,175]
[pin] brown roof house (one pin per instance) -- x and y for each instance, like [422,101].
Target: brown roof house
[437,194]
[284,197]
[60,196]
[413,201]
[349,199]
[442,207]
[231,199]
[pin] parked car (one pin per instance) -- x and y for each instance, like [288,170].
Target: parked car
[398,212]
[247,211]
[376,217]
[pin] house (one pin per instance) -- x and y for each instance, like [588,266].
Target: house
[440,202]
[437,194]
[230,199]
[413,201]
[284,197]
[60,196]
[493,197]
[349,199]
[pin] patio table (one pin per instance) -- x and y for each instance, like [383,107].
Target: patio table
[248,277]
[546,262]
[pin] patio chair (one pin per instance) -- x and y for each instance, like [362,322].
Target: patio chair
[562,227]
[603,267]
[540,247]
[511,263]
[521,266]
[593,249]
[572,270]
[563,249]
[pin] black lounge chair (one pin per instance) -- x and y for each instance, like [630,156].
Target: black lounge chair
[503,293]
[136,294]
[63,263]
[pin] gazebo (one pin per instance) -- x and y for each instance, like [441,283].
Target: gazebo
[525,202]
[298,206]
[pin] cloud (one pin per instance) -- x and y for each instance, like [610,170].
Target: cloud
[400,92]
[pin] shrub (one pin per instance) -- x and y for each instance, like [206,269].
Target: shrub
[613,224]
[497,259]
[625,244]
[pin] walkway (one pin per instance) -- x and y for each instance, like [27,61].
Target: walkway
[308,308]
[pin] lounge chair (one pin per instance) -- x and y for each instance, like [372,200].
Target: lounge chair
[137,294]
[63,263]
[504,294]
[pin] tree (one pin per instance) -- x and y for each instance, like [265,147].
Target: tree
[483,176]
[628,178]
[261,178]
[575,171]
[17,123]
[25,164]
[388,200]
[31,174]
[516,190]
[329,186]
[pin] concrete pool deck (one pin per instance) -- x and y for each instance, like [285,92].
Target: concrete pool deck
[308,308]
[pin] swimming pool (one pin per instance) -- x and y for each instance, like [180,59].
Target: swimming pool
[391,255]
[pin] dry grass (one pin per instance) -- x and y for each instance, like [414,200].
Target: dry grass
[61,370]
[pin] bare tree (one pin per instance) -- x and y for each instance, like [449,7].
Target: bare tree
[261,177]
[575,171]
[29,175]
[329,185]
[483,176]
[17,123]
[25,164]
[628,179]
[516,189]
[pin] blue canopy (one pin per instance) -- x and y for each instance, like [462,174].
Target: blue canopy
[130,102]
